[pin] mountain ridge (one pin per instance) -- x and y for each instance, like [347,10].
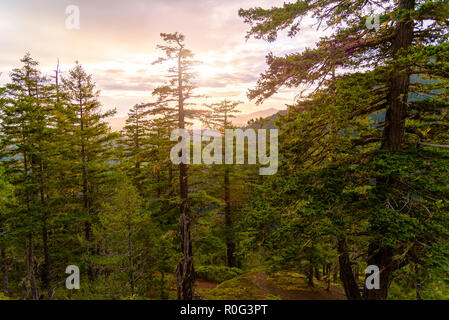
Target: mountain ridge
[242,119]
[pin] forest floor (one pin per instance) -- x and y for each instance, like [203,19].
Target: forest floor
[257,285]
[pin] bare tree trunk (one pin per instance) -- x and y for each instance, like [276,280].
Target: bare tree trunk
[185,271]
[185,274]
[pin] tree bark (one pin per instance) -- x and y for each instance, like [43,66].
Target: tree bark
[31,269]
[383,258]
[310,276]
[184,271]
[317,273]
[346,273]
[328,277]
[393,136]
[393,133]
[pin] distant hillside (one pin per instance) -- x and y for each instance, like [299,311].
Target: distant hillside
[240,120]
[267,122]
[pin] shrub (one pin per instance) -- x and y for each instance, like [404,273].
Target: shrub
[217,274]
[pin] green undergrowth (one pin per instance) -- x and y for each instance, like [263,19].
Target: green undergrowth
[249,286]
[238,288]
[217,274]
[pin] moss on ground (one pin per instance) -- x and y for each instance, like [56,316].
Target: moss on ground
[238,288]
[256,285]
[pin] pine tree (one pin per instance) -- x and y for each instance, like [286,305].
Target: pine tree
[27,126]
[7,201]
[135,141]
[174,98]
[120,221]
[360,72]
[91,152]
[220,118]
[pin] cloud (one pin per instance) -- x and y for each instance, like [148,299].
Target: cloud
[117,43]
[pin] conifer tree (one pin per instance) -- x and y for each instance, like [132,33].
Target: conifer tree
[361,72]
[91,149]
[7,201]
[135,141]
[120,221]
[27,127]
[174,98]
[220,117]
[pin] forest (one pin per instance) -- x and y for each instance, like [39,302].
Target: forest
[363,176]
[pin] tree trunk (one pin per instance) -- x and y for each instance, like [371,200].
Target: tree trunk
[30,256]
[184,271]
[393,133]
[5,271]
[87,224]
[137,143]
[393,136]
[46,268]
[230,241]
[317,273]
[328,277]
[418,283]
[31,269]
[131,261]
[383,258]
[310,276]
[346,274]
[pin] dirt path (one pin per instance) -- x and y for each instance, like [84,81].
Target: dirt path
[202,284]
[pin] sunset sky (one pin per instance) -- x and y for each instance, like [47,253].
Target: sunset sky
[117,42]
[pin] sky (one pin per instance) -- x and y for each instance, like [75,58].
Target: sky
[117,40]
